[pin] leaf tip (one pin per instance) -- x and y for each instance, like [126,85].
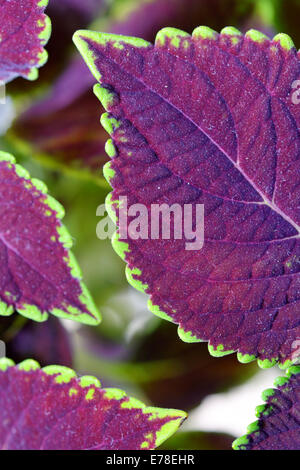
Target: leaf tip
[81,40]
[169,428]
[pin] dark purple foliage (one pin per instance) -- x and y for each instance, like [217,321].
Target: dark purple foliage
[210,119]
[277,427]
[51,408]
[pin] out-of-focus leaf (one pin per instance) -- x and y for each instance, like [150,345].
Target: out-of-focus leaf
[278,424]
[183,134]
[81,11]
[38,272]
[24,31]
[51,408]
[145,18]
[287,18]
[48,342]
[64,111]
[197,440]
[159,363]
[192,373]
[69,135]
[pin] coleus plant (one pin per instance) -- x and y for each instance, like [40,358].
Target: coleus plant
[209,119]
[182,133]
[52,408]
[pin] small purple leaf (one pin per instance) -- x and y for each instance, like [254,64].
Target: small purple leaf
[209,119]
[69,135]
[24,30]
[278,426]
[38,272]
[53,409]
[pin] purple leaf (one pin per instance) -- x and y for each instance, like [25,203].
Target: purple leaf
[209,119]
[277,427]
[57,126]
[84,12]
[38,272]
[52,408]
[24,30]
[70,135]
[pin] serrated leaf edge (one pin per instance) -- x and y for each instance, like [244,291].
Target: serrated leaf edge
[265,409]
[64,375]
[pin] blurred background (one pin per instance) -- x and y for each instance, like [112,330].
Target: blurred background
[52,127]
